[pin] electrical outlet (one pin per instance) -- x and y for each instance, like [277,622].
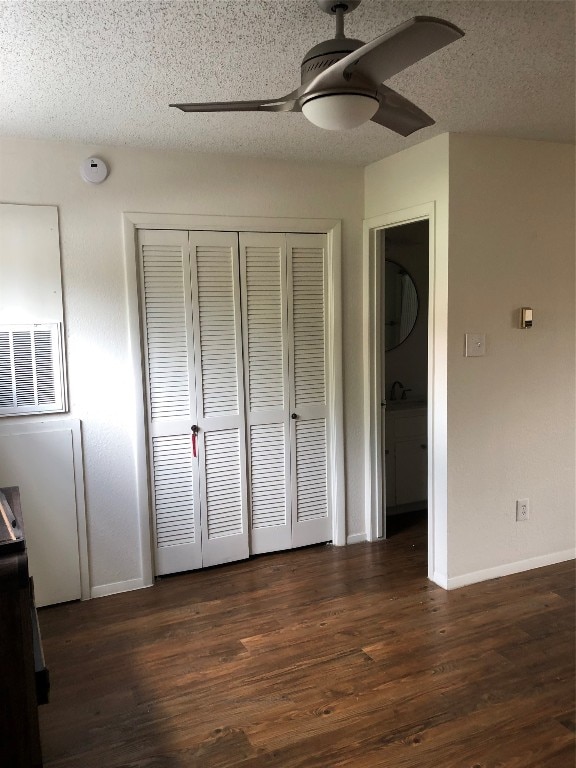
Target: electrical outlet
[522,510]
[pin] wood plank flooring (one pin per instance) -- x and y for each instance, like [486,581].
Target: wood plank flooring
[323,657]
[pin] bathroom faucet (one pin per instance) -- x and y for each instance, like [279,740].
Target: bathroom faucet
[393,390]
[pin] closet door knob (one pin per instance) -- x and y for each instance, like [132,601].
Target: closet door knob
[194,430]
[294,416]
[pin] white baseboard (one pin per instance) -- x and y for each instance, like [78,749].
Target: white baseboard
[118,586]
[355,538]
[507,569]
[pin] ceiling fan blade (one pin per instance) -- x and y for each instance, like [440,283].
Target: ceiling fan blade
[398,114]
[391,52]
[287,103]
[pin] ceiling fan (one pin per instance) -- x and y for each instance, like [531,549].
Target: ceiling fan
[342,78]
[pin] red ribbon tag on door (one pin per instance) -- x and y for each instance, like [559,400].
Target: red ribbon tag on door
[194,439]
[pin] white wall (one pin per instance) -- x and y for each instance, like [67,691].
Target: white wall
[510,428]
[30,246]
[511,414]
[508,206]
[396,186]
[95,299]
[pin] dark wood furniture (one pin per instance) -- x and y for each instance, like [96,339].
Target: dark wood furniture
[23,676]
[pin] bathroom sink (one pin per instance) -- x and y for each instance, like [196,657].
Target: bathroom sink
[401,405]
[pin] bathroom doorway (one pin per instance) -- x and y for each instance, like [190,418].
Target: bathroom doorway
[436,410]
[402,252]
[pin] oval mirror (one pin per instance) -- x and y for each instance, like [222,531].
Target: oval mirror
[400,305]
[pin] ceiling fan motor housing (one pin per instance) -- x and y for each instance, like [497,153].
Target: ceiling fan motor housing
[325,54]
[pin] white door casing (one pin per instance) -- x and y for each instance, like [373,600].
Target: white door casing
[133,223]
[379,343]
[436,412]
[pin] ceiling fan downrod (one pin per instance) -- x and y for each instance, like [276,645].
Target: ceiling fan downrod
[338,9]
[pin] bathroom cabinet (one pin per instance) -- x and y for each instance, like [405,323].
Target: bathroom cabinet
[406,454]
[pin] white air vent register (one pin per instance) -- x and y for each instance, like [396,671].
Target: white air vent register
[31,369]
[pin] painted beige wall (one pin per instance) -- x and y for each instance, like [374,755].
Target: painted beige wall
[505,236]
[511,420]
[511,414]
[95,299]
[398,185]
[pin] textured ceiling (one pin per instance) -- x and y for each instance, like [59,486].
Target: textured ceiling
[104,73]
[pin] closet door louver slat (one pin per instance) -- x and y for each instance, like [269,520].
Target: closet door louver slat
[263,268]
[223,483]
[176,531]
[217,327]
[167,330]
[268,476]
[163,274]
[311,481]
[307,318]
[308,325]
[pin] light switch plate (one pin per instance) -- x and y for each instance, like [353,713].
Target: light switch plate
[475,345]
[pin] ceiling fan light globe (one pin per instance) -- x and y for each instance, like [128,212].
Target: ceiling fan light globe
[340,111]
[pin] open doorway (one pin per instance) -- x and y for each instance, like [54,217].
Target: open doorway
[403,255]
[436,325]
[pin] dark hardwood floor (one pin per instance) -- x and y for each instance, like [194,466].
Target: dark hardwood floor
[316,658]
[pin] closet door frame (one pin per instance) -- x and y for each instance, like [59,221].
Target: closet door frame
[132,222]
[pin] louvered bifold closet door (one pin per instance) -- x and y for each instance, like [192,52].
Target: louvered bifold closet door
[168,348]
[307,282]
[220,396]
[264,324]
